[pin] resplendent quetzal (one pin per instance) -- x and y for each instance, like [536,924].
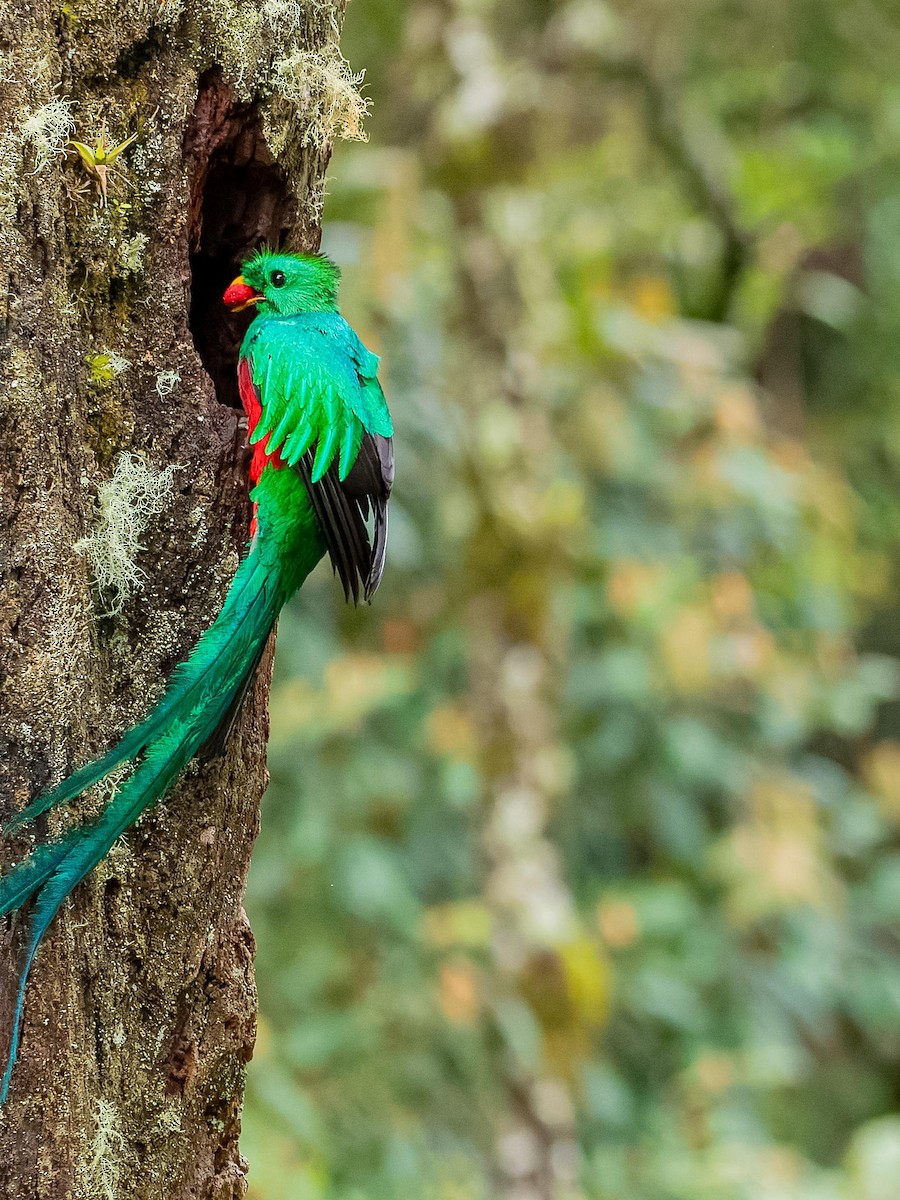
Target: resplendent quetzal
[322,466]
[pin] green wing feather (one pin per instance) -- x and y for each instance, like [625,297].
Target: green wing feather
[318,387]
[322,411]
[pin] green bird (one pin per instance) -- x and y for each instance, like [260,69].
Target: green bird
[322,467]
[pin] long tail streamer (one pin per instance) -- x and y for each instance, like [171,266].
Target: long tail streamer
[199,705]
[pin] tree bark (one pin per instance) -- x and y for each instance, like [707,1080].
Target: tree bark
[141,1009]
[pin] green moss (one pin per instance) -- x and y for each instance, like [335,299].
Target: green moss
[104,368]
[130,254]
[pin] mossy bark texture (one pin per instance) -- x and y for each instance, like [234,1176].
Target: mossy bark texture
[141,1010]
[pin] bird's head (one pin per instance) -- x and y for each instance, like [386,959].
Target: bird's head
[285,284]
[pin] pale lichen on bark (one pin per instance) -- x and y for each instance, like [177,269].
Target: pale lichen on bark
[141,1011]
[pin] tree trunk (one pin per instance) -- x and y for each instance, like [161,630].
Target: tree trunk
[117,362]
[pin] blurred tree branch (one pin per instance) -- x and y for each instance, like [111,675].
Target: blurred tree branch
[668,132]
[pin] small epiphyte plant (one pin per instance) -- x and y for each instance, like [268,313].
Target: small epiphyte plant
[100,163]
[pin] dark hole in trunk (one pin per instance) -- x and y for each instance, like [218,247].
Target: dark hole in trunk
[240,200]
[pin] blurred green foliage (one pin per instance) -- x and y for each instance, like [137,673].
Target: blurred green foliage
[580,871]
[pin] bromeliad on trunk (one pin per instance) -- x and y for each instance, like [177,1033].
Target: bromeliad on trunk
[322,467]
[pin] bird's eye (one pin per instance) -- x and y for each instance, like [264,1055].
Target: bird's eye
[277,279]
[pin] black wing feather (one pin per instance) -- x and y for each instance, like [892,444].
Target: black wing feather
[370,482]
[342,509]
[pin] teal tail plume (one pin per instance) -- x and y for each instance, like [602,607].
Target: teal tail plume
[188,679]
[200,703]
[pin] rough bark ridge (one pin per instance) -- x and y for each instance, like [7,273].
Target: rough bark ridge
[141,1009]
